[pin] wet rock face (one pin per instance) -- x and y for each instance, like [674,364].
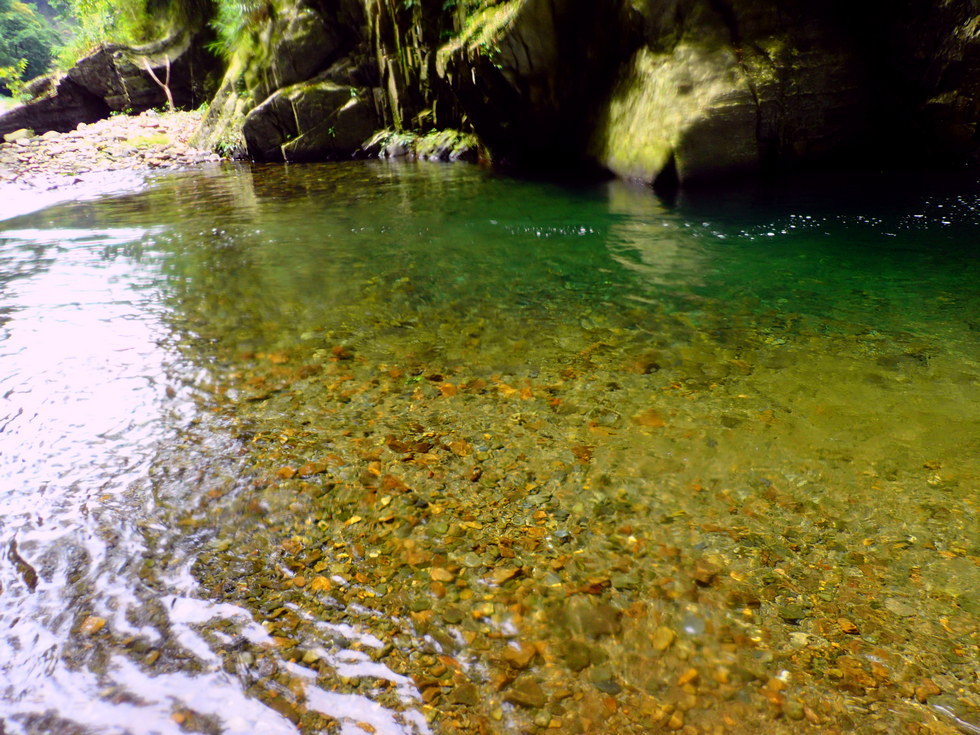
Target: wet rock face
[716,89]
[311,121]
[306,45]
[307,39]
[666,92]
[699,90]
[530,74]
[662,92]
[937,48]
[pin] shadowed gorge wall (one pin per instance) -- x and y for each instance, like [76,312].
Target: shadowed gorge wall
[647,89]
[661,91]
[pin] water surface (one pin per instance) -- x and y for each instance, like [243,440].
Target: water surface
[408,449]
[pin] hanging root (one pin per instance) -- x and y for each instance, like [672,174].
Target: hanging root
[164,85]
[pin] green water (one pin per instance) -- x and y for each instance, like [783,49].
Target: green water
[401,449]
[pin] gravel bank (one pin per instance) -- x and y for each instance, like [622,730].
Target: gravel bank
[122,143]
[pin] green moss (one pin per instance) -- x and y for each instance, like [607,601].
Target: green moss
[640,128]
[221,130]
[669,106]
[149,141]
[453,141]
[237,21]
[438,145]
[479,32]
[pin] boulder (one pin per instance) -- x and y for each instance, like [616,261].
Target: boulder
[318,120]
[62,110]
[439,145]
[268,126]
[22,134]
[135,79]
[690,112]
[120,79]
[341,135]
[304,43]
[448,145]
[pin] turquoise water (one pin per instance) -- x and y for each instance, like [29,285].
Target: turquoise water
[748,419]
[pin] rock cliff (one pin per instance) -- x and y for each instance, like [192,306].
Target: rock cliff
[661,91]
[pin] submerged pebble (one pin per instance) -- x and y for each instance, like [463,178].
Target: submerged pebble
[446,499]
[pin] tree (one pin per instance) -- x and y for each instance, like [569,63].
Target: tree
[27,41]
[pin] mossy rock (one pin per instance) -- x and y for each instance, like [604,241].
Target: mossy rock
[310,120]
[439,145]
[692,109]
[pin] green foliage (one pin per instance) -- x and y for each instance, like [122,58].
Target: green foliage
[130,22]
[233,19]
[480,24]
[97,21]
[27,40]
[12,78]
[230,144]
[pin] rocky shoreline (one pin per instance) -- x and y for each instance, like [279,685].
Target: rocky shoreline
[146,142]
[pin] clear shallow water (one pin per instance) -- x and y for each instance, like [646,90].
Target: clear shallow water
[274,440]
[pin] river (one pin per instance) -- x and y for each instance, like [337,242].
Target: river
[418,448]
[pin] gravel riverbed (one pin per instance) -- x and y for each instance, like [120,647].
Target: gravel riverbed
[536,509]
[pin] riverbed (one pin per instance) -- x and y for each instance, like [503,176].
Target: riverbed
[414,448]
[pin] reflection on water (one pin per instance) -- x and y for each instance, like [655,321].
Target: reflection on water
[100,445]
[367,448]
